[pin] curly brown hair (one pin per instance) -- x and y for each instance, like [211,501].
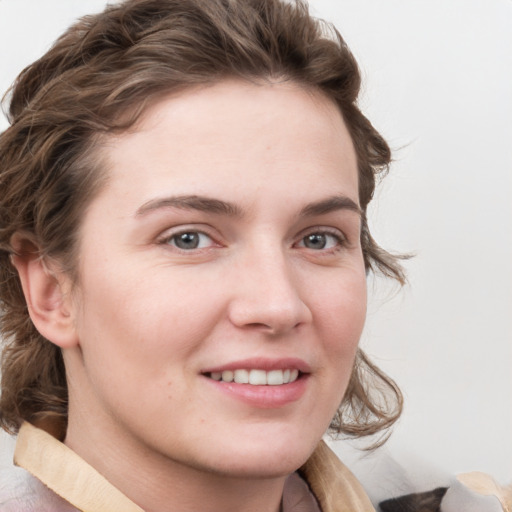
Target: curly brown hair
[98,78]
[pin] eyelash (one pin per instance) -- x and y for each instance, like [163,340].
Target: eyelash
[167,240]
[339,240]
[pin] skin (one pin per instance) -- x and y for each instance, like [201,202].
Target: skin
[148,317]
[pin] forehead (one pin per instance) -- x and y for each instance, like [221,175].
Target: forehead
[213,135]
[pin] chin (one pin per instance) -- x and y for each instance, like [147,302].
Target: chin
[273,449]
[265,460]
[261,468]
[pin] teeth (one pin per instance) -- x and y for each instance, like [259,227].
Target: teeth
[227,376]
[241,377]
[257,377]
[275,377]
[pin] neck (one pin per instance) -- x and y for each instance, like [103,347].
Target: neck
[158,483]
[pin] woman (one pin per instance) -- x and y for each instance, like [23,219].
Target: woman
[184,249]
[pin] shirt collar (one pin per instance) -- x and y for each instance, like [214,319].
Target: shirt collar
[73,479]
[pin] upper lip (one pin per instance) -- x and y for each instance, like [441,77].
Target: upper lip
[262,363]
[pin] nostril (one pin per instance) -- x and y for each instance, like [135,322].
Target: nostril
[272,329]
[259,325]
[268,312]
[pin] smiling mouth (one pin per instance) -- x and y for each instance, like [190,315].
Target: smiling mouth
[256,377]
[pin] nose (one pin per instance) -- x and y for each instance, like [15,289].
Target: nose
[267,296]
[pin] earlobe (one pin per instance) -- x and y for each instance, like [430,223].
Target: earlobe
[46,291]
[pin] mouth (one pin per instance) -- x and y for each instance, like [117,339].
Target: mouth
[261,383]
[256,377]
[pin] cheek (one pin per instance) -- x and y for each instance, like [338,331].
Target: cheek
[344,309]
[142,324]
[342,319]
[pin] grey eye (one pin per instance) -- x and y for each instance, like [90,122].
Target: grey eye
[315,241]
[190,240]
[320,240]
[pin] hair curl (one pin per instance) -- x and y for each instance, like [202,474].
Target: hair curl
[98,78]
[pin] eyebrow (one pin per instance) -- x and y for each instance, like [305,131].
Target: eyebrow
[219,207]
[192,202]
[330,204]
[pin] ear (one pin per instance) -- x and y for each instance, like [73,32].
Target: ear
[47,292]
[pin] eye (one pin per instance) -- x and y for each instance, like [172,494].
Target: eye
[320,241]
[190,240]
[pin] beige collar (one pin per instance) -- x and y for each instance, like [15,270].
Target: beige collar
[69,476]
[333,484]
[486,486]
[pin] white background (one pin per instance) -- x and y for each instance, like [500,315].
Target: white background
[438,85]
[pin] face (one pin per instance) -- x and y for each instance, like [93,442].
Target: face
[222,288]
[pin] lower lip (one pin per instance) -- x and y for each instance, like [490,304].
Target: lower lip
[263,397]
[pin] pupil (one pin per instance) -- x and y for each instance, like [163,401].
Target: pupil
[315,241]
[187,241]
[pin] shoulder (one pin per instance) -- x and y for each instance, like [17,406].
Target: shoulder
[21,492]
[13,490]
[402,482]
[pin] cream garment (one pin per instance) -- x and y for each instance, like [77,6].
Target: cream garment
[75,485]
